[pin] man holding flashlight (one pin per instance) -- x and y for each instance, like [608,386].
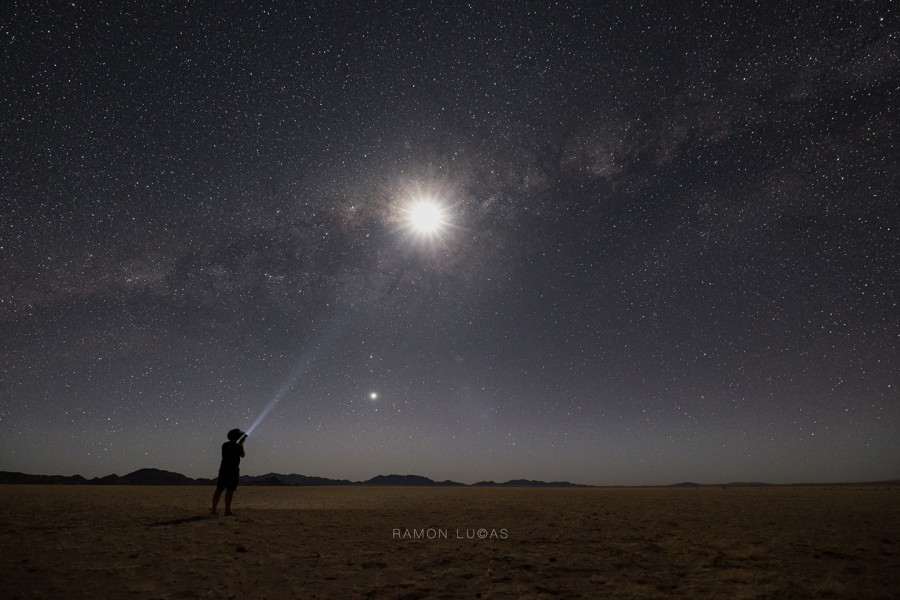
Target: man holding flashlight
[229,470]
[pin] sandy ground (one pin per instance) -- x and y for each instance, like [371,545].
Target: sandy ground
[340,542]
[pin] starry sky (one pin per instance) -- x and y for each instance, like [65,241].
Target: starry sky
[669,248]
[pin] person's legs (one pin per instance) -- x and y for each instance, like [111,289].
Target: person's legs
[216,495]
[228,496]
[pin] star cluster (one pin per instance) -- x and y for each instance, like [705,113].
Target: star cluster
[666,241]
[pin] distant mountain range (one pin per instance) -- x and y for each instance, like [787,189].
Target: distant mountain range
[160,477]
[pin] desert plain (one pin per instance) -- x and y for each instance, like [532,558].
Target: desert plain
[406,542]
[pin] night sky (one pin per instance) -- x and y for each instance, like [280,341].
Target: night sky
[666,250]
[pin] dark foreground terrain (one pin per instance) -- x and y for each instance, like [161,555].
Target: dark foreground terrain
[395,542]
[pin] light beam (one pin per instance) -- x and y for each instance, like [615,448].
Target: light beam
[307,359]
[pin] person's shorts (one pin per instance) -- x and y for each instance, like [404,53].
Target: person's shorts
[228,480]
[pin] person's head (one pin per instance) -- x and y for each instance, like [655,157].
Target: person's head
[234,435]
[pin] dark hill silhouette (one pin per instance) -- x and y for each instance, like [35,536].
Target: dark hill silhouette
[408,480]
[294,479]
[15,477]
[156,477]
[106,480]
[270,481]
[528,483]
[146,477]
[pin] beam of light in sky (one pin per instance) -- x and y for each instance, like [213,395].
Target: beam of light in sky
[304,364]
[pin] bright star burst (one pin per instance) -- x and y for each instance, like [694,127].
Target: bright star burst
[426,218]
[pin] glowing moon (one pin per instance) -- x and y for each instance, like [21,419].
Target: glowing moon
[426,218]
[373,396]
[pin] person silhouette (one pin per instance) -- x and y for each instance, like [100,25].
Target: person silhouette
[229,470]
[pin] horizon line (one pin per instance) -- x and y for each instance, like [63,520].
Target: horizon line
[484,482]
